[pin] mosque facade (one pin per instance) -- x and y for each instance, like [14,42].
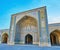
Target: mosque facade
[31,28]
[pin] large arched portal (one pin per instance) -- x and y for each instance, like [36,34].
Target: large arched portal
[4,38]
[28,39]
[26,25]
[55,38]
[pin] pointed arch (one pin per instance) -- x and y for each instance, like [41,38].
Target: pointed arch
[28,39]
[4,37]
[27,20]
[55,37]
[23,25]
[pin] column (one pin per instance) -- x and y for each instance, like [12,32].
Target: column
[12,30]
[43,27]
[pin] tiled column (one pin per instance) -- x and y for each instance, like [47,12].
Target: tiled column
[12,30]
[43,27]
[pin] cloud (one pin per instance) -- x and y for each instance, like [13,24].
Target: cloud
[54,20]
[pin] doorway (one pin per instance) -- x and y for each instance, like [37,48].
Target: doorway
[53,40]
[4,38]
[28,39]
[54,37]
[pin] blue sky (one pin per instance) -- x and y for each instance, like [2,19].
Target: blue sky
[8,7]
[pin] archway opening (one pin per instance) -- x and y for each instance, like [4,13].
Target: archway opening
[4,38]
[25,25]
[55,37]
[28,39]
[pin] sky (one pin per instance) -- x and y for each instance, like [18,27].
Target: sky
[9,7]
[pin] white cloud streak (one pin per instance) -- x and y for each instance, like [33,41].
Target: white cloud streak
[54,20]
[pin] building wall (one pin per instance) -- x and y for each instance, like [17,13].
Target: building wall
[51,28]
